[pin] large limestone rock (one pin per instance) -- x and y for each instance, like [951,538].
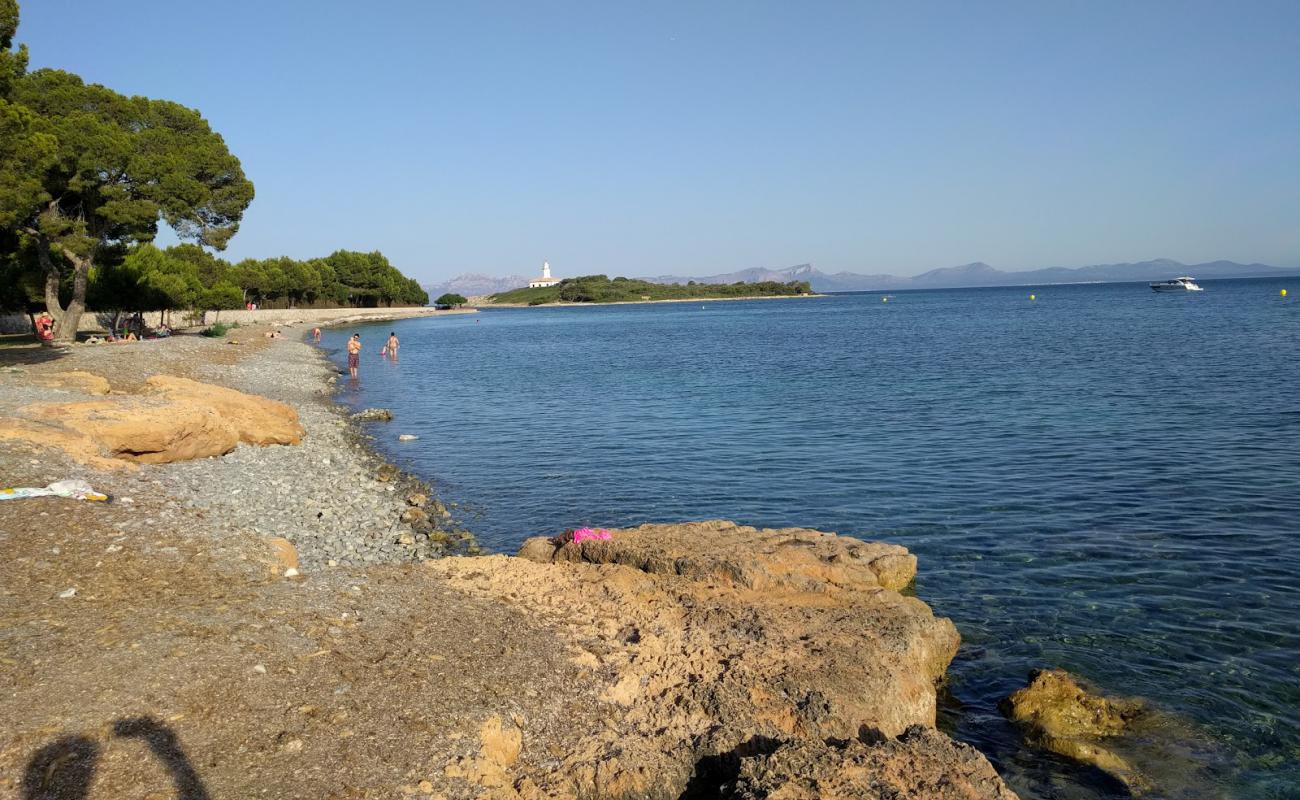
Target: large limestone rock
[255,420]
[175,419]
[708,637]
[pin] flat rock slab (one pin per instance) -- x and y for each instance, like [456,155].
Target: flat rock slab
[793,558]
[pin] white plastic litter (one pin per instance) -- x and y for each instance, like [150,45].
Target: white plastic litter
[73,489]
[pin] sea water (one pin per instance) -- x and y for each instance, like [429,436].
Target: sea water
[1103,478]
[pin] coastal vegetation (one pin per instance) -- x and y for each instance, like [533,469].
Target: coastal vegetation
[451,299]
[88,174]
[602,289]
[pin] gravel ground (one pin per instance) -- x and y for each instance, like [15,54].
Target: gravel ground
[331,496]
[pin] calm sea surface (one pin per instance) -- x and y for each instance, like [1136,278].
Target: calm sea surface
[1104,479]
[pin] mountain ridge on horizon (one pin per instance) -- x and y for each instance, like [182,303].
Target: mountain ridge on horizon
[961,276]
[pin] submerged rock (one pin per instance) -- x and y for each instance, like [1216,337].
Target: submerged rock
[1055,704]
[1147,750]
[1059,715]
[373,415]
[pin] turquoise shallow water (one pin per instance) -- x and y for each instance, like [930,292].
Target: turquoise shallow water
[1105,479]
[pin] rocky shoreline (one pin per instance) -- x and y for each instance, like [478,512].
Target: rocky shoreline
[332,496]
[701,659]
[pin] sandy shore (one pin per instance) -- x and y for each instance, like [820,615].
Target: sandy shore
[161,640]
[98,323]
[334,316]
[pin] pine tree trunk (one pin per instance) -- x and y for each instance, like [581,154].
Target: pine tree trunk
[65,326]
[53,278]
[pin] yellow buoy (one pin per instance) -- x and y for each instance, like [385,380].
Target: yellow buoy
[1284,292]
[1033,297]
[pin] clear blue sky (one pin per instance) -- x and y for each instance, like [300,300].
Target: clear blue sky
[693,138]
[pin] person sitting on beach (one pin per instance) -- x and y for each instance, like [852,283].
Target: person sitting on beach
[390,349]
[45,327]
[354,354]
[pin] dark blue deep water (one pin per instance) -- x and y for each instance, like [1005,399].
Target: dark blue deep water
[1104,479]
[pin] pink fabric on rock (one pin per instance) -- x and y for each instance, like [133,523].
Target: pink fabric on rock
[582,534]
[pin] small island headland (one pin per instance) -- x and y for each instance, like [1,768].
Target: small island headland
[600,289]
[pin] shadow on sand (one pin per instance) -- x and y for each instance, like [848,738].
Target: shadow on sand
[64,769]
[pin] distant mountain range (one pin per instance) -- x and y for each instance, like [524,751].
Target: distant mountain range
[470,284]
[964,276]
[981,274]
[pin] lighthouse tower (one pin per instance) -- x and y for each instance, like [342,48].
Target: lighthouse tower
[545,280]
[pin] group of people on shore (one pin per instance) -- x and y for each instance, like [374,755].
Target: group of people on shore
[354,350]
[133,330]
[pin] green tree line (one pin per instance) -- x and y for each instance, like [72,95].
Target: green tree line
[187,277]
[88,174]
[601,289]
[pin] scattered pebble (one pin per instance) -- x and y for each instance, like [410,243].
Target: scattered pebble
[68,593]
[260,669]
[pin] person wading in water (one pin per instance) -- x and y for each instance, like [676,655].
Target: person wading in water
[390,349]
[354,353]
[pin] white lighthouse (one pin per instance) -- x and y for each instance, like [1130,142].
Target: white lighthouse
[545,280]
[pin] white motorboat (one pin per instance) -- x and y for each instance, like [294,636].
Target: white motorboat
[1183,284]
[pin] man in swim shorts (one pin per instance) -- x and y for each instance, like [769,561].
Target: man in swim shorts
[354,353]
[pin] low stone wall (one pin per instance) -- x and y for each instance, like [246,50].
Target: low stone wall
[98,323]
